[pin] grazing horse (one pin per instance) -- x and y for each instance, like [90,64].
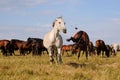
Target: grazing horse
[66,48]
[81,39]
[116,47]
[4,46]
[100,46]
[91,48]
[111,50]
[71,48]
[19,45]
[37,45]
[53,38]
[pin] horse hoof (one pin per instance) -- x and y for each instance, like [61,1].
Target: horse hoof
[51,61]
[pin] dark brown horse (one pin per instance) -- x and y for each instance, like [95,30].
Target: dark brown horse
[100,46]
[19,45]
[36,45]
[81,40]
[91,48]
[4,46]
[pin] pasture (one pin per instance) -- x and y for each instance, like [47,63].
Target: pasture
[38,68]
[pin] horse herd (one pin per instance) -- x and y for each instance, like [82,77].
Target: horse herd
[34,45]
[82,43]
[53,39]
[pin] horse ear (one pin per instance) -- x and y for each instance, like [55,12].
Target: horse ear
[53,24]
[60,17]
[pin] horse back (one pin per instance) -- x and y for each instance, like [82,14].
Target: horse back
[4,43]
[100,44]
[84,36]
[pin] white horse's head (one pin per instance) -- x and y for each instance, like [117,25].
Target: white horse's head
[59,24]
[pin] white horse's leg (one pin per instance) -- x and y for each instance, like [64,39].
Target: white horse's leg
[50,51]
[59,59]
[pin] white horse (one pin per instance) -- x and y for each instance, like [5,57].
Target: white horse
[116,47]
[53,38]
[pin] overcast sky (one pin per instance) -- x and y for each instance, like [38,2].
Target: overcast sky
[20,19]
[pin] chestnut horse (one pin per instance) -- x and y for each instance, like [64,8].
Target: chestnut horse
[100,46]
[66,48]
[81,40]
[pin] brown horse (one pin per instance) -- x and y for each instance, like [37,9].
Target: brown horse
[4,46]
[91,48]
[36,45]
[81,39]
[66,48]
[100,46]
[19,45]
[71,48]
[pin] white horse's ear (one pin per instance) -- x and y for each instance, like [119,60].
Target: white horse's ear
[54,23]
[60,17]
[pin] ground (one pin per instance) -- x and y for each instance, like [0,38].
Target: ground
[38,68]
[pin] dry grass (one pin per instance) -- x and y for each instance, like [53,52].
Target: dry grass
[38,68]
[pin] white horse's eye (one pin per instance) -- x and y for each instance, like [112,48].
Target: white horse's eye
[59,22]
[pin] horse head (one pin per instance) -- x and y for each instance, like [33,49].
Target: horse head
[29,42]
[59,24]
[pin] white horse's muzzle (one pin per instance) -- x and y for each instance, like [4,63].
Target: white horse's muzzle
[64,31]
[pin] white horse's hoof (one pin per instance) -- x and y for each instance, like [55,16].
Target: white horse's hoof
[51,61]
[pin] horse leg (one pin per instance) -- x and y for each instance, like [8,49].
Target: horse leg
[79,55]
[98,52]
[107,53]
[87,52]
[67,53]
[21,52]
[4,52]
[79,51]
[62,53]
[50,51]
[59,59]
[33,50]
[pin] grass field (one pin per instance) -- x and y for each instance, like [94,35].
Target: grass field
[38,68]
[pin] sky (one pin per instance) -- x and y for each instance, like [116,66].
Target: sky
[100,19]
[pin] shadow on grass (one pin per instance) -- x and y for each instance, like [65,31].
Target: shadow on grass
[4,67]
[76,65]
